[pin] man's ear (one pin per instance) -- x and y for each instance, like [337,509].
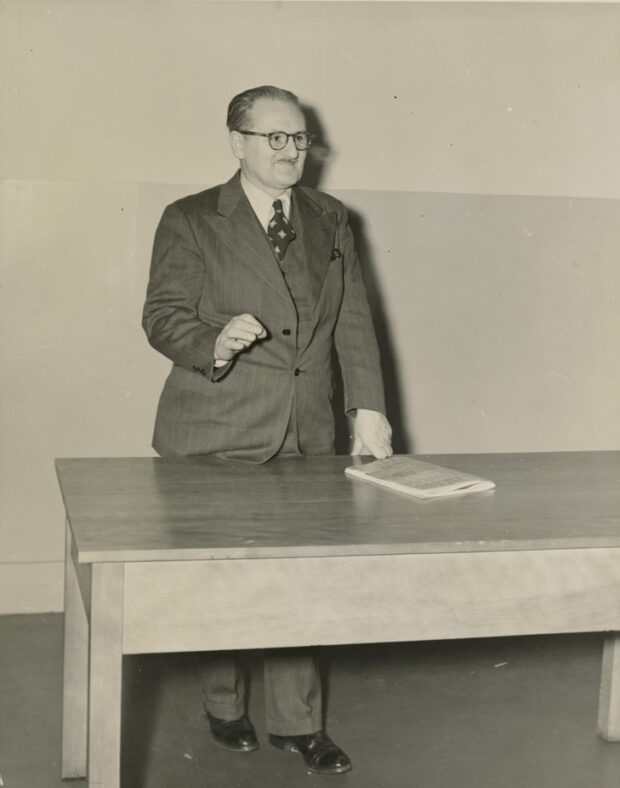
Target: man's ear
[236,144]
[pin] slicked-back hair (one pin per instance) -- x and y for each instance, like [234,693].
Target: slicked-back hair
[240,107]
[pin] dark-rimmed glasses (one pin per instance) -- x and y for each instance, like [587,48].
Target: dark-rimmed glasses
[279,139]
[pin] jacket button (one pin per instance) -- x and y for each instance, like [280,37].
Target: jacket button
[297,372]
[286,331]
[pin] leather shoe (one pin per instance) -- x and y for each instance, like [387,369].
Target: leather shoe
[319,752]
[237,735]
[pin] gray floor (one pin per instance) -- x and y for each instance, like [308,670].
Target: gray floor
[514,713]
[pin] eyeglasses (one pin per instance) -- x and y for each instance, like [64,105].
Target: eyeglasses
[279,139]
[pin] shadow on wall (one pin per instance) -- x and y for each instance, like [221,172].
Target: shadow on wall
[317,161]
[320,152]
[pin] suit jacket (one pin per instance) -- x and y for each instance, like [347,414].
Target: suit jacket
[212,261]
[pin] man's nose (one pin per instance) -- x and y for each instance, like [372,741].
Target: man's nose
[291,149]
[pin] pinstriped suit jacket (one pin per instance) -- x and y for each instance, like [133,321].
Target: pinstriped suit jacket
[212,261]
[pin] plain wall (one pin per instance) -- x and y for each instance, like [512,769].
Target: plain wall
[475,144]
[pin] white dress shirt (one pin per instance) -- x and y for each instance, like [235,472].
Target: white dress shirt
[262,203]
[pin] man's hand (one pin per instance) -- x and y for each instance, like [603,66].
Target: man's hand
[238,334]
[372,434]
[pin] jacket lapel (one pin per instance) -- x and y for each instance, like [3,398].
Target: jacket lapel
[238,228]
[315,232]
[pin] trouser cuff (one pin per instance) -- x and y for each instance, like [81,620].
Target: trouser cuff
[294,727]
[225,711]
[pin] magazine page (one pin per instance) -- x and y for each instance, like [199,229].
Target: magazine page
[419,478]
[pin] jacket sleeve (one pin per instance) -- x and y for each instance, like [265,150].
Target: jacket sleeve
[170,317]
[354,336]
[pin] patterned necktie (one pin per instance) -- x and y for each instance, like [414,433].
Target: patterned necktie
[280,230]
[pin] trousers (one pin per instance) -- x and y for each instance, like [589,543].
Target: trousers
[292,689]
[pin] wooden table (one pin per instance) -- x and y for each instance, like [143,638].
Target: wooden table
[162,555]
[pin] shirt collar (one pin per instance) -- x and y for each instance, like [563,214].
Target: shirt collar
[262,203]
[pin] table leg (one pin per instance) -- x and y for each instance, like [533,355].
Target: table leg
[75,673]
[106,663]
[609,701]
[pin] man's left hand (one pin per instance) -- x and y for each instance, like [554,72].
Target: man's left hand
[372,434]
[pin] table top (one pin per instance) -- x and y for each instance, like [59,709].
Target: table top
[146,509]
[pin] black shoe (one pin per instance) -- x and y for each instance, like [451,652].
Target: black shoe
[237,735]
[319,752]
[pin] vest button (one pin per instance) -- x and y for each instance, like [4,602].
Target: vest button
[286,331]
[297,372]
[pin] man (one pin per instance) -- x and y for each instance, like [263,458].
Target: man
[252,285]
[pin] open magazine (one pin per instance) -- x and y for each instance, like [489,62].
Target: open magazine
[421,479]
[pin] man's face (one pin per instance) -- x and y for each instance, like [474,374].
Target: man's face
[273,171]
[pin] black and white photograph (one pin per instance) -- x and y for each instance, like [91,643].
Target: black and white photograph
[310,394]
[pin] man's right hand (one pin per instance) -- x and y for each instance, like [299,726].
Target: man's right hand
[238,334]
